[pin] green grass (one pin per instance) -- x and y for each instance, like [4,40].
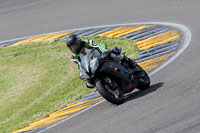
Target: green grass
[39,78]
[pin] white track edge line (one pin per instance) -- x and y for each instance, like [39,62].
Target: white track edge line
[93,27]
[187,35]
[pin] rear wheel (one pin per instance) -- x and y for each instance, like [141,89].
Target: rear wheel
[143,79]
[110,90]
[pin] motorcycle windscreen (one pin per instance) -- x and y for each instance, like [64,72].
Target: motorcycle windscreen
[85,63]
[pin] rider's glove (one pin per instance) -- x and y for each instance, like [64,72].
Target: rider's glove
[116,50]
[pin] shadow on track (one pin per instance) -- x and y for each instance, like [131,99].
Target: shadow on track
[138,94]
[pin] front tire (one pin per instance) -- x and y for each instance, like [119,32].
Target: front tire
[103,90]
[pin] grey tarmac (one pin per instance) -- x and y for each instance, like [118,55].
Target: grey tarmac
[171,105]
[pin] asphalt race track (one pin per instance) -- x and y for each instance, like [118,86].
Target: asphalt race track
[171,105]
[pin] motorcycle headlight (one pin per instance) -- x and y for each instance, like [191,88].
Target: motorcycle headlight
[94,65]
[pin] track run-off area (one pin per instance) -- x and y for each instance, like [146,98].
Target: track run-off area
[159,43]
[171,105]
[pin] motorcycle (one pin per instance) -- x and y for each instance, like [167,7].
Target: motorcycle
[112,77]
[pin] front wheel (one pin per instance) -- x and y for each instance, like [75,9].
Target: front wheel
[110,90]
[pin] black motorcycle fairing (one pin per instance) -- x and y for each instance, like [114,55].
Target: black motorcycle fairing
[119,72]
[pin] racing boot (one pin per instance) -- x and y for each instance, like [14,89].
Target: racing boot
[136,70]
[89,85]
[130,62]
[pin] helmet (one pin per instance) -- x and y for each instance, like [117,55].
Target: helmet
[74,43]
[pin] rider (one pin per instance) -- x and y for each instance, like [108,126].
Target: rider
[78,48]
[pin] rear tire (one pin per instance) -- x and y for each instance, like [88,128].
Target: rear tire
[107,95]
[144,80]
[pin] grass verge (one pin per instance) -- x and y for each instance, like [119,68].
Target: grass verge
[39,78]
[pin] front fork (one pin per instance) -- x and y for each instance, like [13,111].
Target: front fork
[112,87]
